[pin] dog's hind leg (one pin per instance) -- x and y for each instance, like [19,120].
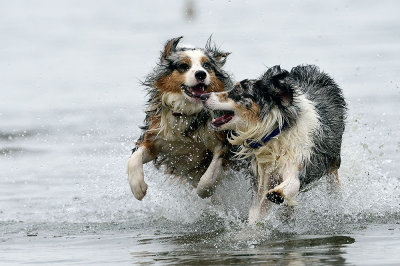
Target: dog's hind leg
[333,171]
[333,184]
[213,174]
[135,171]
[286,191]
[336,175]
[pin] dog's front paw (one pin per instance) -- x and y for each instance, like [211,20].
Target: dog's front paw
[205,191]
[275,196]
[285,192]
[138,187]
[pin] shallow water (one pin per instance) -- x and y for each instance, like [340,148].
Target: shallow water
[70,107]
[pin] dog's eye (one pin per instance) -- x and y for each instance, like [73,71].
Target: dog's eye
[206,66]
[247,104]
[183,67]
[234,95]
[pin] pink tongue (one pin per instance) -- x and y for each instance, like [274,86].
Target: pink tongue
[198,89]
[222,120]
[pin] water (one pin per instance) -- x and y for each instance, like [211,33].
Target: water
[71,104]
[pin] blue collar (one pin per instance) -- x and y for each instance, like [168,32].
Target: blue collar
[267,138]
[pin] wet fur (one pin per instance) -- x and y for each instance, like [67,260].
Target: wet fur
[314,109]
[176,134]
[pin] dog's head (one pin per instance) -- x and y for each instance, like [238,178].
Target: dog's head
[185,73]
[251,102]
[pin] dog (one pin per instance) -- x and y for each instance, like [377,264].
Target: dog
[290,123]
[176,134]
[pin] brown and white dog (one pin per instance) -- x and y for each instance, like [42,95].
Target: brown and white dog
[290,123]
[176,132]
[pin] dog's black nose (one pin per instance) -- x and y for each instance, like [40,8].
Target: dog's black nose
[204,97]
[200,75]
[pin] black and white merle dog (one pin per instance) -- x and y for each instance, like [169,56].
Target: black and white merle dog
[176,134]
[291,123]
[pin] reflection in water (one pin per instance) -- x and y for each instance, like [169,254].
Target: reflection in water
[205,249]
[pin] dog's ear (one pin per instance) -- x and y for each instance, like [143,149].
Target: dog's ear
[170,47]
[218,55]
[221,57]
[276,83]
[282,87]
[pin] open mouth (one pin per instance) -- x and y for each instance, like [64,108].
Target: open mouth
[223,119]
[195,91]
